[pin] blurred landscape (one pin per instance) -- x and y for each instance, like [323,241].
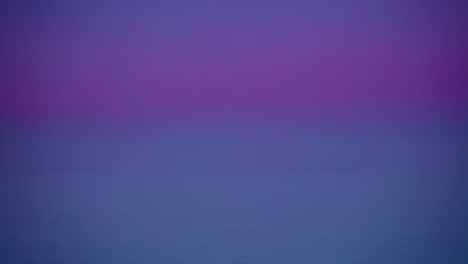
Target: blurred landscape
[217,133]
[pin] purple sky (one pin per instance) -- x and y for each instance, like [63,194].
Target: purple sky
[232,63]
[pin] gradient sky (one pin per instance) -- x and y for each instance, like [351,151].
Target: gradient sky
[182,61]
